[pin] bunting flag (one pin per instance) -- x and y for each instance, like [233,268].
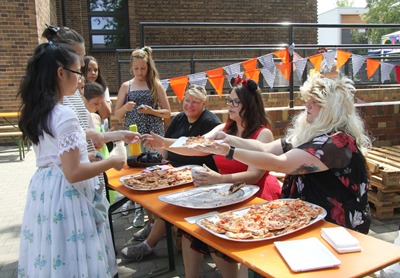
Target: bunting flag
[358,61]
[372,66]
[329,58]
[283,55]
[285,69]
[269,76]
[250,65]
[342,57]
[199,79]
[232,69]
[199,82]
[216,79]
[253,74]
[385,71]
[299,66]
[397,71]
[178,85]
[165,84]
[316,61]
[267,61]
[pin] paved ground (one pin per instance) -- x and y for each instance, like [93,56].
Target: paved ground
[15,176]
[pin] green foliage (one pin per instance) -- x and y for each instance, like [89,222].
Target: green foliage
[344,3]
[381,11]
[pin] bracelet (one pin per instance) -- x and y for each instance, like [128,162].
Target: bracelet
[229,156]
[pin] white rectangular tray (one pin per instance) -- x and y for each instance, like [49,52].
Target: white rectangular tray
[306,254]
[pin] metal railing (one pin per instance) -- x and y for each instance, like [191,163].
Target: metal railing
[304,50]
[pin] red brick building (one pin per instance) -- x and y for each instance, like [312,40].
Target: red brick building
[22,22]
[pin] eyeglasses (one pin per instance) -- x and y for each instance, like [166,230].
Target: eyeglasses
[74,71]
[233,102]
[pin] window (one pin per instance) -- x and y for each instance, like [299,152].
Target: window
[108,24]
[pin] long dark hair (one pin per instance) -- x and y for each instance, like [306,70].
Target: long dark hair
[39,90]
[100,79]
[252,112]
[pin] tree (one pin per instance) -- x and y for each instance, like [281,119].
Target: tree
[344,3]
[381,11]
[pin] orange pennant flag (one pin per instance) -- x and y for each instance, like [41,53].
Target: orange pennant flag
[285,70]
[178,85]
[316,60]
[341,58]
[250,64]
[372,66]
[218,83]
[253,74]
[283,54]
[215,72]
[216,78]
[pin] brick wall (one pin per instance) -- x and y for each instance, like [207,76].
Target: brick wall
[197,11]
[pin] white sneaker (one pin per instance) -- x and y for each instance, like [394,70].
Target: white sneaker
[138,221]
[125,208]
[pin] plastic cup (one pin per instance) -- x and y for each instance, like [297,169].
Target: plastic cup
[196,172]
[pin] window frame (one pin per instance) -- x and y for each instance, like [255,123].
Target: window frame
[123,32]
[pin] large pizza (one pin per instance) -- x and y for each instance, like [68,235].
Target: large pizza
[264,221]
[159,179]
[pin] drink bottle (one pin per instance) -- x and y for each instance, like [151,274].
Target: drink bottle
[134,149]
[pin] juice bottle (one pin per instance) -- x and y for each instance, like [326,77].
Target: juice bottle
[134,149]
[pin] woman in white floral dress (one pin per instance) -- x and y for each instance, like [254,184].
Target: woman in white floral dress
[59,234]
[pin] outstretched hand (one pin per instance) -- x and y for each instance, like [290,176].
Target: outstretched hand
[220,135]
[215,148]
[153,141]
[130,137]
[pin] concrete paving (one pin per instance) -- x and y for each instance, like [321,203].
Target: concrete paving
[15,176]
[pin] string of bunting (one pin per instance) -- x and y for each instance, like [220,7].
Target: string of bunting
[216,77]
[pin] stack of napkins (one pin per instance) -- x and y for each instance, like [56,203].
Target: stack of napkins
[340,239]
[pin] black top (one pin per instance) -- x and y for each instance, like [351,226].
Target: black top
[342,190]
[180,126]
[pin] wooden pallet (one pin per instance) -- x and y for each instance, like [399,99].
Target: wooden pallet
[383,210]
[384,165]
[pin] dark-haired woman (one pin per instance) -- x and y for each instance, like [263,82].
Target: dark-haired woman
[60,236]
[247,119]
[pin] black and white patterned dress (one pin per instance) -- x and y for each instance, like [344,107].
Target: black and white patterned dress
[144,122]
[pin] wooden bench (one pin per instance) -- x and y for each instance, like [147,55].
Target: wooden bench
[17,135]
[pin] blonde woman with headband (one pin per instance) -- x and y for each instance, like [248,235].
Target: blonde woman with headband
[322,153]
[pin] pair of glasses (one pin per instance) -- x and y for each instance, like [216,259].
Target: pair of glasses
[233,102]
[74,71]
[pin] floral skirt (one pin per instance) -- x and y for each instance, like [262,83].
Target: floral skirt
[59,236]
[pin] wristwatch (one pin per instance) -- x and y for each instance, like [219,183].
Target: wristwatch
[229,156]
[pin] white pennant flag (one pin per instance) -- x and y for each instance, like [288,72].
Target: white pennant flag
[165,83]
[199,79]
[329,58]
[200,82]
[232,69]
[267,61]
[299,66]
[269,76]
[358,61]
[385,71]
